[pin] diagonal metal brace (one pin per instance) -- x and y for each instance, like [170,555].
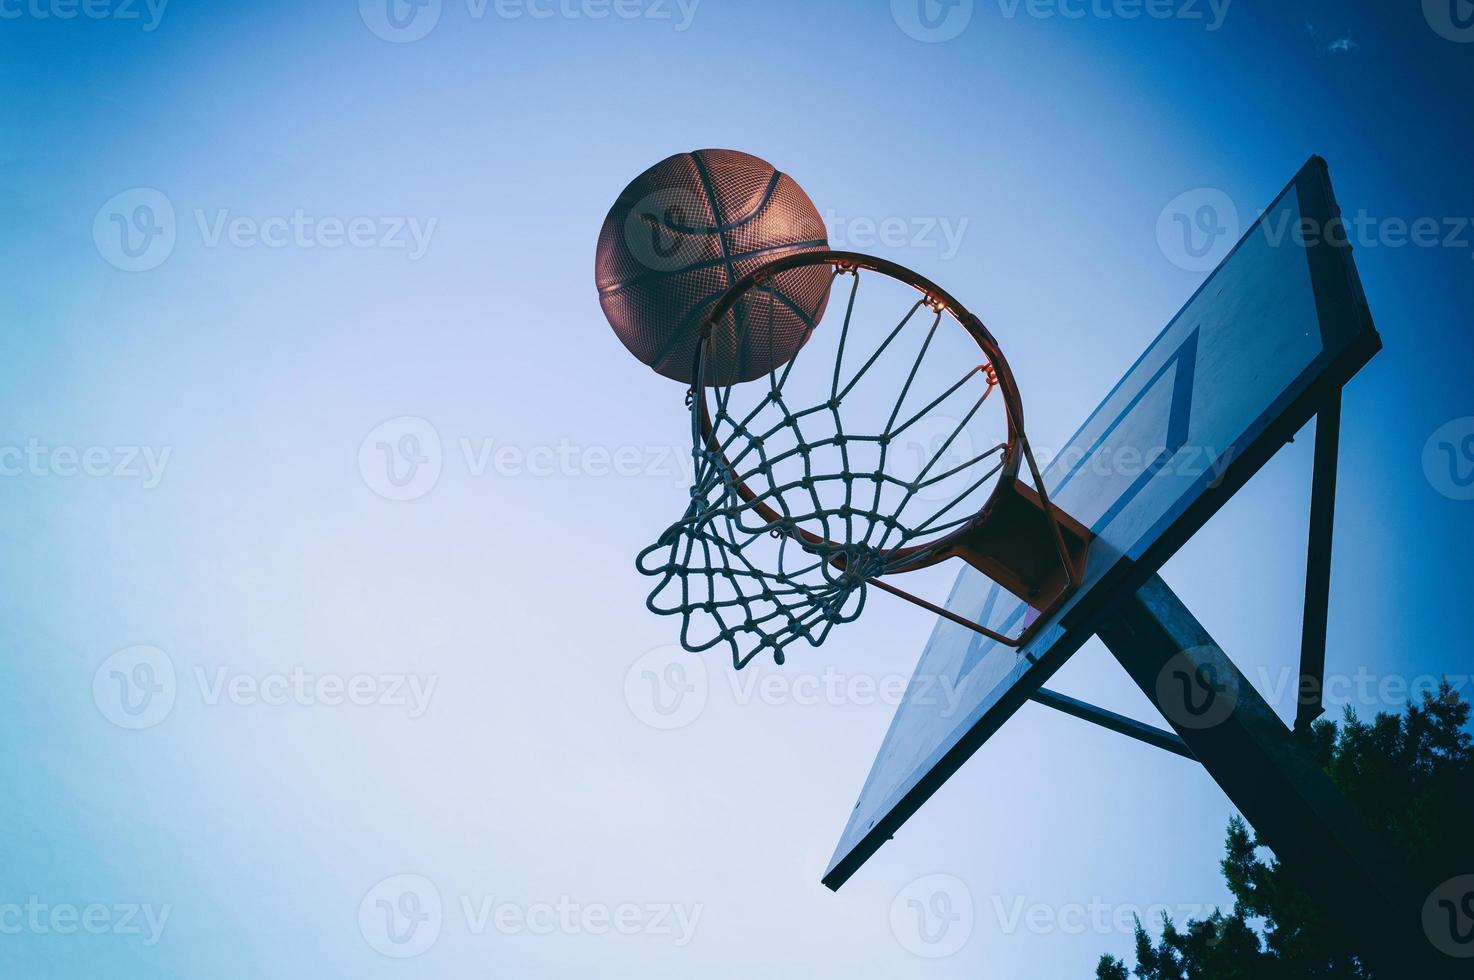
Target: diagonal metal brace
[1318,564]
[1120,724]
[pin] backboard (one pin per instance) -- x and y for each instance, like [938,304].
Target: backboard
[1272,334]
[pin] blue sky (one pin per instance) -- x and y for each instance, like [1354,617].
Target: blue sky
[379,241]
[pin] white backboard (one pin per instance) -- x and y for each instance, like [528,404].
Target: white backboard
[1276,329]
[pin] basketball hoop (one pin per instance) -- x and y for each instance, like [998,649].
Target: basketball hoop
[785,531]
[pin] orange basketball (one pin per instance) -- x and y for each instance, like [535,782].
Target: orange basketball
[680,235]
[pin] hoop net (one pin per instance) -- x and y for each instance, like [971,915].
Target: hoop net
[861,457]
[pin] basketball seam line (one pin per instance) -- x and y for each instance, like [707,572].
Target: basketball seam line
[719,229]
[758,210]
[680,332]
[723,227]
[615,288]
[717,215]
[788,302]
[750,217]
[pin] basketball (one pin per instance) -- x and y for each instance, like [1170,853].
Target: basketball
[677,239]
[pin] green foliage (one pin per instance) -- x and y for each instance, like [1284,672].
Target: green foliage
[1413,778]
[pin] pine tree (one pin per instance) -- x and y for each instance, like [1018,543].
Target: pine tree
[1413,778]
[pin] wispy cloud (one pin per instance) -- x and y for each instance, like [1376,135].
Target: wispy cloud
[1341,45]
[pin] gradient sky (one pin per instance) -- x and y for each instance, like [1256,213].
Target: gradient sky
[192,489]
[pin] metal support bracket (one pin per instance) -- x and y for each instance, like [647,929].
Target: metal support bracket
[1120,724]
[1274,780]
[1310,694]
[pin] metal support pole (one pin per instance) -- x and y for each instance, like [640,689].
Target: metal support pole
[1318,564]
[1274,781]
